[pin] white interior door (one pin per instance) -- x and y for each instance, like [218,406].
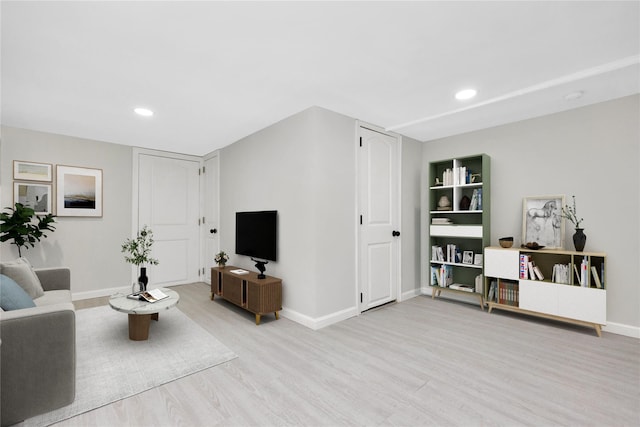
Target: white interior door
[210,230]
[379,201]
[168,202]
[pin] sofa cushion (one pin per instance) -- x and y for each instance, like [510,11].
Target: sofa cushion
[12,296]
[53,297]
[22,273]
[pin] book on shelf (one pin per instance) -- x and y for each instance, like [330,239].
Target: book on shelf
[441,221]
[594,273]
[508,293]
[538,272]
[561,273]
[492,291]
[524,266]
[532,273]
[479,281]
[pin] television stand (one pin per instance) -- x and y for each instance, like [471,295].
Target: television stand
[260,265]
[248,291]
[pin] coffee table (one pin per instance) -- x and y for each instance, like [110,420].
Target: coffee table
[142,312]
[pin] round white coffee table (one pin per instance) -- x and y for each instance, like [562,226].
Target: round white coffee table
[142,312]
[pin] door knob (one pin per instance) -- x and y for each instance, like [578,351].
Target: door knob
[395,233]
[213,231]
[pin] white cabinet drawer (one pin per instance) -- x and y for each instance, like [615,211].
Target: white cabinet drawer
[580,303]
[538,296]
[502,263]
[456,230]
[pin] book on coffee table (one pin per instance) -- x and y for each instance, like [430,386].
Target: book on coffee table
[152,295]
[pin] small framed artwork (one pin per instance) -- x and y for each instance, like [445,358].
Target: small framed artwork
[542,221]
[29,171]
[33,195]
[78,191]
[467,257]
[477,259]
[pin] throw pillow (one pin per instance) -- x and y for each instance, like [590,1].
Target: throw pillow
[22,273]
[12,296]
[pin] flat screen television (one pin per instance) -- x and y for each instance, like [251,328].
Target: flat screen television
[257,234]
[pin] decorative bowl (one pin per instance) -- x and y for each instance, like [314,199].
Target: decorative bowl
[506,242]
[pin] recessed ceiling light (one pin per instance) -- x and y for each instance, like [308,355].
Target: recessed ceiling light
[466,94]
[574,95]
[143,112]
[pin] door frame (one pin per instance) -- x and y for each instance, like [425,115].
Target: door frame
[135,187]
[203,262]
[358,210]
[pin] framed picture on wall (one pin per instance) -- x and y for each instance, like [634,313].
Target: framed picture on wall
[78,191]
[542,221]
[30,171]
[33,195]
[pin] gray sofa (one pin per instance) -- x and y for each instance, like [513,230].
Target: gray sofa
[38,351]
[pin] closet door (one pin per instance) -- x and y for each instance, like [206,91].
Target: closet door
[168,202]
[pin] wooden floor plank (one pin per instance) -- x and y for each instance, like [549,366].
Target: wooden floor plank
[419,362]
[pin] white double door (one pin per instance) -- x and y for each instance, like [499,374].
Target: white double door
[168,201]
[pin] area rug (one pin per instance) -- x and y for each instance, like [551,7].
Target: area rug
[110,367]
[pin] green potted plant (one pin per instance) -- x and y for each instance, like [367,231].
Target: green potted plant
[19,226]
[570,213]
[139,253]
[221,259]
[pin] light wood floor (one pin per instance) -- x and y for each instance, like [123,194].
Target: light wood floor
[419,362]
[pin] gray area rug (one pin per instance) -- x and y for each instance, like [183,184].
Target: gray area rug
[110,367]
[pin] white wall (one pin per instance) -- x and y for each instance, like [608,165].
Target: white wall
[592,153]
[303,167]
[410,230]
[89,246]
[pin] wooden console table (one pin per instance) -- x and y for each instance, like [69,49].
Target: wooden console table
[258,296]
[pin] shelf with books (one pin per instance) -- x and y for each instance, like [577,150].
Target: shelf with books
[458,211]
[551,283]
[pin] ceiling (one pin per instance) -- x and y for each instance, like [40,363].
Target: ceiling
[215,72]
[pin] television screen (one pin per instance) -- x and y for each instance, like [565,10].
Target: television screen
[256,234]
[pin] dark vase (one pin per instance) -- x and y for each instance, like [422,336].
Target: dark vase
[143,280]
[579,239]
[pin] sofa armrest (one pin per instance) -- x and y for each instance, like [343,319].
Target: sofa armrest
[54,278]
[38,360]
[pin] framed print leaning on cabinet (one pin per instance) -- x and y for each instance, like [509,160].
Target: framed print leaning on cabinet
[30,171]
[33,195]
[542,221]
[78,191]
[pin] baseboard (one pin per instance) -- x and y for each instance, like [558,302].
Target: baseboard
[621,329]
[411,294]
[318,322]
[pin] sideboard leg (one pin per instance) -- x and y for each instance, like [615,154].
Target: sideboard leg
[277,315]
[257,319]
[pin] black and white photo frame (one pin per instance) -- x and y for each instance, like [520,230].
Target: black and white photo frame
[542,221]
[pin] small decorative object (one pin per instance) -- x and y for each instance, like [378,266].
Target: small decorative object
[579,238]
[465,202]
[19,228]
[221,259]
[139,250]
[506,242]
[542,221]
[444,204]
